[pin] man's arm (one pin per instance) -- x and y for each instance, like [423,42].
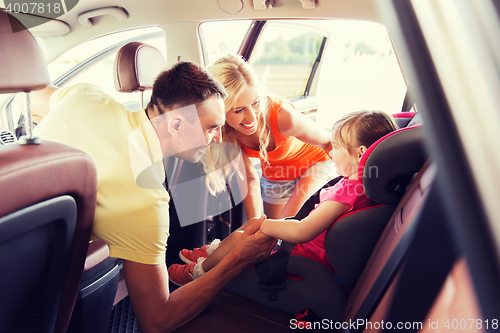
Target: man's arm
[39,101]
[158,311]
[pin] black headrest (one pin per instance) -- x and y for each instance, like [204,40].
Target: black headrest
[22,64]
[390,163]
[136,67]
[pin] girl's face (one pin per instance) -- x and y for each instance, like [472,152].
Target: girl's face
[243,115]
[346,165]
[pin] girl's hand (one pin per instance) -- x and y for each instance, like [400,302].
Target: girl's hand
[254,246]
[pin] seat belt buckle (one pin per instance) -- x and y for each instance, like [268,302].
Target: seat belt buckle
[272,289]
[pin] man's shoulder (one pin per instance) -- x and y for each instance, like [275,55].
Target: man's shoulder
[83,94]
[78,111]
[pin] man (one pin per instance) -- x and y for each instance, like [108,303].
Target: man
[183,118]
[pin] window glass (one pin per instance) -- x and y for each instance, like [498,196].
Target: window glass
[222,37]
[359,71]
[79,53]
[284,55]
[100,71]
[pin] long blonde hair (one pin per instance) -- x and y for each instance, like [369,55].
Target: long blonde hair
[236,75]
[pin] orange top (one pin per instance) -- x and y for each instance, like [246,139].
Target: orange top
[291,157]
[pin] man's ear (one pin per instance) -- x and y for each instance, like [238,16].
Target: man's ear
[173,125]
[361,151]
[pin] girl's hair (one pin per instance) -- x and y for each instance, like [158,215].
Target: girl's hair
[236,75]
[362,128]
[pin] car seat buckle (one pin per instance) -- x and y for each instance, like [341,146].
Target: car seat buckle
[272,289]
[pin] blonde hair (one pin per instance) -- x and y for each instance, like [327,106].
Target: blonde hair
[215,179]
[362,128]
[236,75]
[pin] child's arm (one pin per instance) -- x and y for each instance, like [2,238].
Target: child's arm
[307,229]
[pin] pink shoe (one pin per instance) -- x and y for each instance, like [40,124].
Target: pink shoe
[189,256]
[181,274]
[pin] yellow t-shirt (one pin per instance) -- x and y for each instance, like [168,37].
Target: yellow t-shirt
[133,220]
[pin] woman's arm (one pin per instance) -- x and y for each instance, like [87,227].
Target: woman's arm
[253,201]
[293,123]
[307,229]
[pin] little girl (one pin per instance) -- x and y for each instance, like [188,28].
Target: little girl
[351,137]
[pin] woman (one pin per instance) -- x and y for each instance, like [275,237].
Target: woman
[292,149]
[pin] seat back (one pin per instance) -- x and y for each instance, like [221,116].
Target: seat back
[47,207]
[387,168]
[390,249]
[41,252]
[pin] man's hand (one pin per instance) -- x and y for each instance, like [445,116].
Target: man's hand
[253,246]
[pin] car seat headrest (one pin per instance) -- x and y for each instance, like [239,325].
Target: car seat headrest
[403,119]
[136,67]
[390,163]
[417,120]
[23,64]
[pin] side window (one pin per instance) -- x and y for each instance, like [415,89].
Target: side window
[92,62]
[221,38]
[98,62]
[341,66]
[284,56]
[359,71]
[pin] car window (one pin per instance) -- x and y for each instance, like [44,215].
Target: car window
[284,55]
[99,70]
[92,62]
[221,38]
[359,71]
[358,68]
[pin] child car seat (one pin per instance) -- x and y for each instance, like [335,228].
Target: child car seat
[387,168]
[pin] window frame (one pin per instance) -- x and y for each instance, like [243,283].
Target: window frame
[255,32]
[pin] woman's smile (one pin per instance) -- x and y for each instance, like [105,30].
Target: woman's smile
[248,125]
[244,114]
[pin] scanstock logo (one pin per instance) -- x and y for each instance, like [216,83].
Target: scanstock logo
[33,13]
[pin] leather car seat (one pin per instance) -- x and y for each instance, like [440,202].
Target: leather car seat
[47,207]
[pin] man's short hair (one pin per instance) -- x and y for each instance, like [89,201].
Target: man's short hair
[184,84]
